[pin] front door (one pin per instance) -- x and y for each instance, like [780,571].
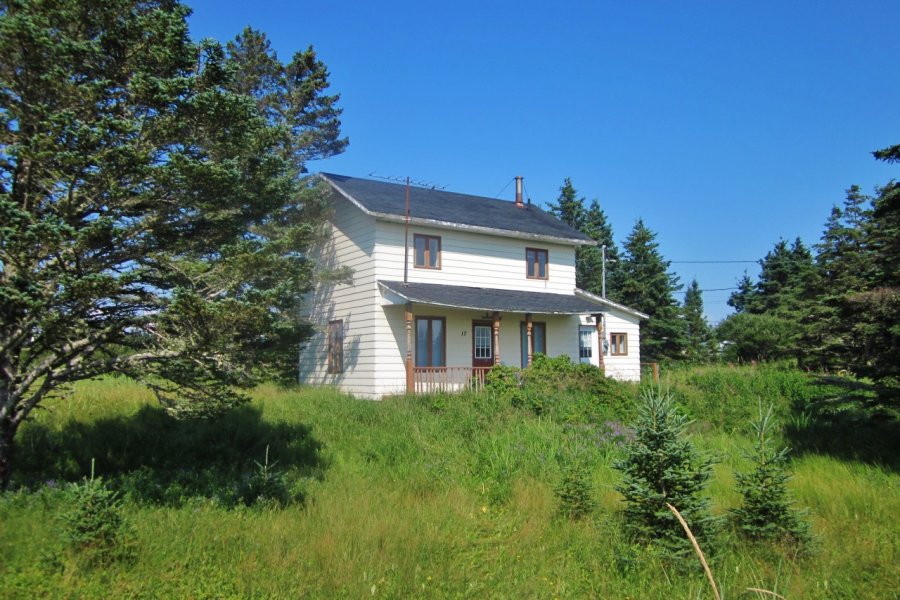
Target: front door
[482,344]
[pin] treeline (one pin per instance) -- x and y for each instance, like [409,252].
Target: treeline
[834,306]
[638,276]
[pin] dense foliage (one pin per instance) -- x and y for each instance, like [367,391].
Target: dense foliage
[152,217]
[834,308]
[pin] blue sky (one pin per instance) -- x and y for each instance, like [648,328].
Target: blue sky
[724,125]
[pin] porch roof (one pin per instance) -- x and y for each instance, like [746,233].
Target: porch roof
[491,299]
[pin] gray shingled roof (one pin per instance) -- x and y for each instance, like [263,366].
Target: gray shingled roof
[489,299]
[442,207]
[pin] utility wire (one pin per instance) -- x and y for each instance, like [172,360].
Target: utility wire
[711,262]
[504,188]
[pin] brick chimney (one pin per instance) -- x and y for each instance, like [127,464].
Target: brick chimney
[519,203]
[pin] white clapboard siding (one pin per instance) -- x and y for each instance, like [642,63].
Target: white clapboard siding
[375,330]
[474,259]
[351,244]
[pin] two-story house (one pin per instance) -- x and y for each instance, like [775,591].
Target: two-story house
[447,285]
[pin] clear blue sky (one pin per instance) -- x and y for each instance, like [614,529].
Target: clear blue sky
[724,125]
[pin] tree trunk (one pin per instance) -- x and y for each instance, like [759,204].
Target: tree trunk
[7,447]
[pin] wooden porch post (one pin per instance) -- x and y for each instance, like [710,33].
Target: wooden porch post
[410,378]
[598,317]
[529,340]
[496,338]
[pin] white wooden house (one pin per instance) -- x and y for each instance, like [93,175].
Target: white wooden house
[461,284]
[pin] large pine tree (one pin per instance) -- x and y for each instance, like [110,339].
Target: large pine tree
[152,218]
[570,209]
[698,334]
[647,285]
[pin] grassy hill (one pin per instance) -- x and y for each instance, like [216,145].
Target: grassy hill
[440,496]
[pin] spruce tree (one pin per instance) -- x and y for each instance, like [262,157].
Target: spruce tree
[598,228]
[660,467]
[153,221]
[570,209]
[767,511]
[645,284]
[698,334]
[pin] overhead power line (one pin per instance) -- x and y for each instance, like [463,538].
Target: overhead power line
[711,262]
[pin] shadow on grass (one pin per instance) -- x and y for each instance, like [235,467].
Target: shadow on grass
[151,457]
[846,422]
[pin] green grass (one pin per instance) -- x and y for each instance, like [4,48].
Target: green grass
[434,497]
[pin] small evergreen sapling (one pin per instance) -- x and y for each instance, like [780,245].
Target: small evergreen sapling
[94,529]
[767,511]
[574,490]
[662,467]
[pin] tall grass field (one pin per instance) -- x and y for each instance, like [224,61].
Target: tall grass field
[306,493]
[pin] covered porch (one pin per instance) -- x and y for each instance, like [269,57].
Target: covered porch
[451,336]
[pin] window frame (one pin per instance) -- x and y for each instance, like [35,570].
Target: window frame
[583,329]
[429,355]
[535,261]
[335,347]
[613,346]
[426,254]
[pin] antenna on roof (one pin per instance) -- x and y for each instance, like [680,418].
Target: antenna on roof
[406,180]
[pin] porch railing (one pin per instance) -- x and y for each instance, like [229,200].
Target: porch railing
[448,379]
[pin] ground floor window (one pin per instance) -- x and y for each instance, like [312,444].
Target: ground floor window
[336,346]
[431,342]
[585,344]
[538,340]
[618,344]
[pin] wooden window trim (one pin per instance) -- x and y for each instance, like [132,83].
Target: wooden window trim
[613,346]
[528,263]
[336,346]
[430,358]
[426,265]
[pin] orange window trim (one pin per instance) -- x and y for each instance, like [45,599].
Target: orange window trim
[532,263]
[426,252]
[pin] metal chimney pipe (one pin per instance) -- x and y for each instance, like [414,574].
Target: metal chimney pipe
[519,203]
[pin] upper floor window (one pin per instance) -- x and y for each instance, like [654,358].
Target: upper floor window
[336,346]
[618,344]
[536,263]
[428,251]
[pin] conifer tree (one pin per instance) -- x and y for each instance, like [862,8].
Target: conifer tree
[645,284]
[698,333]
[660,467]
[598,228]
[767,511]
[570,209]
[153,221]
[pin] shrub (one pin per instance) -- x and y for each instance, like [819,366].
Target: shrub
[662,467]
[561,388]
[767,511]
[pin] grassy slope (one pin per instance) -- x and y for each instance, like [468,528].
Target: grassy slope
[429,498]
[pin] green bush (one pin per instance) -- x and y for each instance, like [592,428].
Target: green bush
[562,389]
